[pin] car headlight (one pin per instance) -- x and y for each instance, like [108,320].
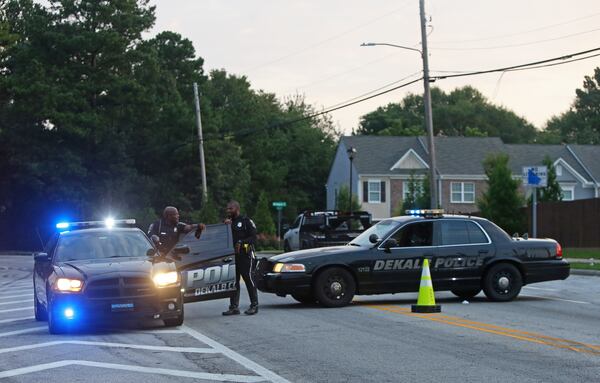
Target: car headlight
[167,279]
[289,268]
[68,285]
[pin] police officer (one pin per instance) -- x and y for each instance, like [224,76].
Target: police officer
[243,231]
[168,228]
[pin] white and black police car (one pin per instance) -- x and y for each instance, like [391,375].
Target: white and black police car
[466,254]
[107,272]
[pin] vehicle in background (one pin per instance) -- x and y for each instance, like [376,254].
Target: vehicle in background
[325,228]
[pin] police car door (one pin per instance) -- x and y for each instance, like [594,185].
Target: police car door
[399,266]
[208,271]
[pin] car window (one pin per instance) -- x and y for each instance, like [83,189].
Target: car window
[78,246]
[454,233]
[476,235]
[382,229]
[345,223]
[415,234]
[296,222]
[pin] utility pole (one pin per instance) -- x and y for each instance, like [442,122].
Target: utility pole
[428,114]
[200,144]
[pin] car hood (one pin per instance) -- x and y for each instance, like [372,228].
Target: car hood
[104,267]
[315,253]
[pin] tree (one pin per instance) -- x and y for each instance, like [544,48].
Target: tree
[418,194]
[581,123]
[552,192]
[262,216]
[462,112]
[501,202]
[342,200]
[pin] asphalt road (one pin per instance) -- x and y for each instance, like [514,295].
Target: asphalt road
[551,333]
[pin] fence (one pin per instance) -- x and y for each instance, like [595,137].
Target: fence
[571,223]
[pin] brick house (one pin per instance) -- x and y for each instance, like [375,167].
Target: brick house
[382,167]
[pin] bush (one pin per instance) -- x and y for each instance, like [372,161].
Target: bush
[267,242]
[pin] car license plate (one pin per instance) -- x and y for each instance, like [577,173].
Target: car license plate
[122,307]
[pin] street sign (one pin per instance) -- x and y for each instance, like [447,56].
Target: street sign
[535,176]
[279,204]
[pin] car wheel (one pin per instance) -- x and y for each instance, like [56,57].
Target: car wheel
[465,293]
[306,299]
[502,282]
[174,322]
[334,287]
[286,247]
[39,310]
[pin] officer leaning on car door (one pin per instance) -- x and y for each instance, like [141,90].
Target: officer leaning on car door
[243,231]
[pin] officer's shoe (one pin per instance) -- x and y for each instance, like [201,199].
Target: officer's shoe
[252,310]
[232,311]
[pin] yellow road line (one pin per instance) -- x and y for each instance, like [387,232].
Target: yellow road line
[497,330]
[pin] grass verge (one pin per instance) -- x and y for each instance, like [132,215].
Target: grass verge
[572,252]
[585,266]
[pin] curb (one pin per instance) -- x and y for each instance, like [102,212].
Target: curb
[595,273]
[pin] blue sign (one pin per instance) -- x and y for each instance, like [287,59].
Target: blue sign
[535,176]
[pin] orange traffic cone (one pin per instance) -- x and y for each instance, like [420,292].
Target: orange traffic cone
[426,300]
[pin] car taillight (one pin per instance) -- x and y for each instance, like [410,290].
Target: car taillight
[559,254]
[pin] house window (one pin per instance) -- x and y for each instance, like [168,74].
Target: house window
[568,193]
[374,191]
[462,192]
[558,170]
[406,189]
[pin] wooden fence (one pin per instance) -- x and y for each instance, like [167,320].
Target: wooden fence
[571,223]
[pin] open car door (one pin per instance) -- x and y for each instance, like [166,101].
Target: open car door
[208,270]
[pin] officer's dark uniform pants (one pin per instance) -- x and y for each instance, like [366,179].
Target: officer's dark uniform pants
[245,262]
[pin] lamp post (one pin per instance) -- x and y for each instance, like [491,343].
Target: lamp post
[426,100]
[351,152]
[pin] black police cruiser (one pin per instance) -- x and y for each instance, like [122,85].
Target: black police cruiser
[109,271]
[467,254]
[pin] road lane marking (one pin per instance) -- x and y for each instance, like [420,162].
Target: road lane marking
[124,367]
[24,331]
[15,296]
[539,288]
[262,371]
[19,309]
[195,350]
[556,299]
[16,319]
[497,330]
[11,303]
[11,291]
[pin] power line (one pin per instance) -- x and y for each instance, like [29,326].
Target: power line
[517,33]
[518,44]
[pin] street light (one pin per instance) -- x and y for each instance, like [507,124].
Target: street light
[351,152]
[426,99]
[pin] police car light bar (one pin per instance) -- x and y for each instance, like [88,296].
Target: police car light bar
[106,223]
[425,212]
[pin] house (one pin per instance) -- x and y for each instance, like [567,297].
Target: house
[382,166]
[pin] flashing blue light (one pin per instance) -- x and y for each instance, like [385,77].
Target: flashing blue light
[69,313]
[62,225]
[109,222]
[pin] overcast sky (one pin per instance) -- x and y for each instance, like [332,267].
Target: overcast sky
[313,47]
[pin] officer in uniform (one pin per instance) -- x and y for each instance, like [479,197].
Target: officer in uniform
[243,231]
[165,232]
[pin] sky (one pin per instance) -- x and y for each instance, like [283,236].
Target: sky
[312,48]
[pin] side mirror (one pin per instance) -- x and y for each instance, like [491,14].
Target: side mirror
[181,250]
[374,238]
[41,257]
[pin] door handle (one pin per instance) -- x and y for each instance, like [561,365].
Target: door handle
[227,260]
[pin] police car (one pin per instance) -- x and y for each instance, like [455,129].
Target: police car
[467,254]
[109,271]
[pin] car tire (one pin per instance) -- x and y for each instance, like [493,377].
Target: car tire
[39,310]
[286,247]
[306,299]
[175,322]
[502,282]
[465,293]
[53,327]
[334,287]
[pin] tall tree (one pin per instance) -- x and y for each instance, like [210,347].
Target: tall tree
[552,192]
[342,200]
[262,216]
[462,112]
[501,202]
[581,123]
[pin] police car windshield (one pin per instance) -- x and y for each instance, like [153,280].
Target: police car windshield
[382,229]
[78,246]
